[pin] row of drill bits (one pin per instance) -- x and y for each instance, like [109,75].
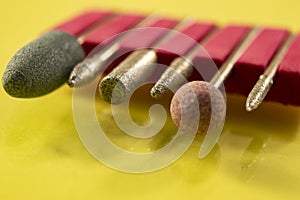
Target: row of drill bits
[57,52]
[171,78]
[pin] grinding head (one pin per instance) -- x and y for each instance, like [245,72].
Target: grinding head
[210,105]
[42,65]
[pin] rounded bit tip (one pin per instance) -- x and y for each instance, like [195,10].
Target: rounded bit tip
[112,90]
[211,107]
[71,82]
[258,92]
[173,77]
[250,106]
[42,66]
[157,91]
[74,78]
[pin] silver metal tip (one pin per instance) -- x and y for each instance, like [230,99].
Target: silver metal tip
[258,92]
[157,91]
[71,82]
[250,106]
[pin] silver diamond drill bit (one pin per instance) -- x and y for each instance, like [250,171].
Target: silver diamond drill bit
[88,70]
[265,81]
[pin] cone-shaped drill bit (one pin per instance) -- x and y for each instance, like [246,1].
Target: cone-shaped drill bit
[265,82]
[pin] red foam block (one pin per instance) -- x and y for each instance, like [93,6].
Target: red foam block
[224,41]
[144,38]
[117,25]
[216,50]
[287,80]
[181,43]
[79,24]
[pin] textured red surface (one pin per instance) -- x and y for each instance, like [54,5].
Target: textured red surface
[179,45]
[146,37]
[218,47]
[117,25]
[79,24]
[255,60]
[287,80]
[224,41]
[245,73]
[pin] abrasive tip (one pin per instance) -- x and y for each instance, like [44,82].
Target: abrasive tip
[71,82]
[258,92]
[73,76]
[200,104]
[112,90]
[157,91]
[43,65]
[124,79]
[250,106]
[173,77]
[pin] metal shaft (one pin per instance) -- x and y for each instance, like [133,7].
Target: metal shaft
[173,77]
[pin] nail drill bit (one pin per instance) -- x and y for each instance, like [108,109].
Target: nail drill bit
[212,105]
[179,68]
[130,73]
[117,85]
[265,81]
[86,71]
[44,64]
[172,77]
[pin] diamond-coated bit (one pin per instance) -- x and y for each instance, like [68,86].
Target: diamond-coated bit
[265,81]
[119,84]
[88,70]
[173,77]
[179,70]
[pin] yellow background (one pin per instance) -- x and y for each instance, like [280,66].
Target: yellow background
[41,156]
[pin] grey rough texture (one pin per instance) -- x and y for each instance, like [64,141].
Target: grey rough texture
[124,79]
[209,99]
[173,77]
[42,65]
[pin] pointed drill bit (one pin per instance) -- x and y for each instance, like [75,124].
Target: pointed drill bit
[88,70]
[173,77]
[265,82]
[179,70]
